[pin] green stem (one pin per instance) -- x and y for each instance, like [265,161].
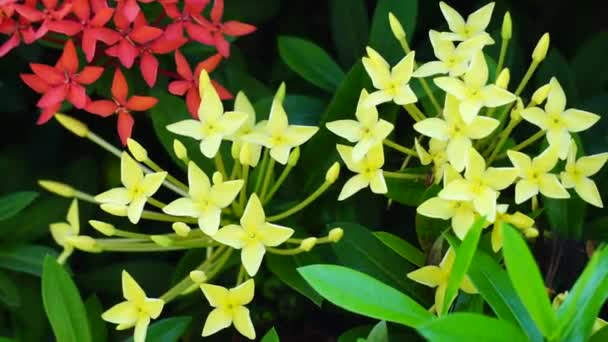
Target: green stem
[85,197]
[151,164]
[532,139]
[400,175]
[278,183]
[154,216]
[300,205]
[156,203]
[414,112]
[243,194]
[502,139]
[400,148]
[219,164]
[236,167]
[501,58]
[430,95]
[291,251]
[260,177]
[267,178]
[526,78]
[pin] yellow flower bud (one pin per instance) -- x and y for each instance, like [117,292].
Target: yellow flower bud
[502,81]
[57,188]
[335,234]
[181,229]
[333,173]
[507,26]
[293,157]
[198,277]
[139,152]
[114,209]
[161,240]
[516,111]
[396,27]
[217,178]
[531,233]
[84,243]
[541,94]
[540,51]
[180,150]
[307,244]
[72,125]
[103,227]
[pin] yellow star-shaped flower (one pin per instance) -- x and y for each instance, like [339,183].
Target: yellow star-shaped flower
[479,185]
[457,132]
[366,131]
[253,235]
[136,311]
[392,84]
[558,121]
[206,201]
[535,175]
[229,308]
[247,153]
[66,235]
[473,90]
[517,220]
[476,23]
[436,155]
[213,124]
[137,188]
[438,276]
[577,172]
[277,134]
[368,169]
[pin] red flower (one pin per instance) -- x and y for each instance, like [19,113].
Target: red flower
[217,29]
[189,19]
[189,83]
[133,36]
[121,106]
[51,12]
[61,82]
[148,64]
[19,30]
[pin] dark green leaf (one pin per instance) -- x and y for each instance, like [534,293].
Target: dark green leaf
[167,330]
[251,12]
[284,267]
[556,65]
[25,258]
[566,216]
[271,336]
[402,247]
[349,29]
[12,204]
[310,62]
[470,327]
[410,192]
[63,305]
[353,334]
[362,294]
[9,293]
[589,64]
[301,109]
[379,333]
[381,37]
[600,335]
[97,325]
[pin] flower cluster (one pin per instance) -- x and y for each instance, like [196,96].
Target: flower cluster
[118,37]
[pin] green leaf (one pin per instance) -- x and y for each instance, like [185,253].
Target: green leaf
[63,305]
[271,336]
[301,109]
[556,65]
[464,255]
[470,327]
[25,258]
[284,267]
[566,216]
[9,293]
[408,251]
[589,64]
[12,204]
[410,192]
[351,335]
[166,330]
[600,335]
[311,62]
[97,325]
[349,29]
[381,37]
[357,292]
[379,333]
[527,281]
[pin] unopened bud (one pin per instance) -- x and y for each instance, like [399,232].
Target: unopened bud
[217,178]
[198,277]
[396,27]
[502,81]
[181,229]
[516,111]
[507,27]
[72,125]
[139,152]
[333,173]
[161,240]
[180,150]
[307,244]
[540,51]
[335,234]
[294,157]
[541,94]
[84,243]
[103,227]
[57,188]
[114,209]
[531,233]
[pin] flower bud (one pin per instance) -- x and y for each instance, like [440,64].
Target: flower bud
[507,27]
[293,157]
[161,240]
[139,152]
[103,227]
[307,244]
[531,233]
[72,125]
[198,277]
[502,81]
[540,51]
[180,150]
[114,209]
[84,243]
[181,229]
[335,234]
[541,94]
[396,27]
[516,111]
[57,188]
[217,178]
[332,174]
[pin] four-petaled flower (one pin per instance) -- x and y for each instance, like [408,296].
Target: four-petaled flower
[517,220]
[476,23]
[577,172]
[246,152]
[368,169]
[392,84]
[133,35]
[436,155]
[66,235]
[229,308]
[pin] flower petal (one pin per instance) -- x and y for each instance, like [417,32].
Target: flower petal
[272,235]
[587,190]
[242,294]
[232,235]
[252,255]
[125,127]
[352,186]
[347,129]
[433,127]
[579,120]
[430,276]
[189,128]
[217,320]
[254,215]
[536,116]
[550,186]
[242,322]
[224,193]
[181,207]
[436,207]
[524,190]
[141,103]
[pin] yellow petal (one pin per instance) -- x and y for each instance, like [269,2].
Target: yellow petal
[242,104]
[433,127]
[131,174]
[559,138]
[376,98]
[536,116]
[242,294]
[377,68]
[497,237]
[347,129]
[545,161]
[366,115]
[252,255]
[436,207]
[277,120]
[242,322]
[131,290]
[476,165]
[423,155]
[199,185]
[217,320]
[209,220]
[469,108]
[153,306]
[524,190]
[550,186]
[587,190]
[60,231]
[189,128]
[377,183]
[452,86]
[499,178]
[181,207]
[152,182]
[467,285]
[556,102]
[231,121]
[141,329]
[448,260]
[363,147]
[253,215]
[121,313]
[250,154]
[590,165]
[454,20]
[73,217]
[374,159]
[346,153]
[210,145]
[120,196]
[579,120]
[519,220]
[211,106]
[477,75]
[458,152]
[494,96]
[485,203]
[431,276]
[521,161]
[457,190]
[430,69]
[232,235]
[479,20]
[463,219]
[352,186]
[402,72]
[136,208]
[481,126]
[442,48]
[217,296]
[272,235]
[300,134]
[405,95]
[280,153]
[224,193]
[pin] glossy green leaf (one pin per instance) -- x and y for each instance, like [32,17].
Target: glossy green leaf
[284,267]
[301,109]
[271,336]
[410,192]
[589,64]
[379,333]
[9,293]
[362,294]
[311,62]
[349,29]
[63,305]
[381,37]
[566,216]
[470,327]
[12,204]
[99,332]
[408,251]
[167,330]
[527,281]
[25,258]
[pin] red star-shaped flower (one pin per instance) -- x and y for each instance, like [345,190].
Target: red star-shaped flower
[133,37]
[51,12]
[148,64]
[217,29]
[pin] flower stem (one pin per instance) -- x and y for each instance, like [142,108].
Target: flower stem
[431,96]
[501,140]
[414,112]
[258,180]
[154,216]
[399,148]
[219,164]
[156,203]
[279,251]
[503,53]
[532,139]
[278,183]
[300,205]
[526,78]
[267,177]
[243,194]
[400,175]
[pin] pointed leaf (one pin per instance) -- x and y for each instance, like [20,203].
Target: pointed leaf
[12,204]
[470,327]
[167,330]
[271,336]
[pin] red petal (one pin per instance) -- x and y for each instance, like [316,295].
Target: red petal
[141,103]
[88,44]
[81,9]
[179,88]
[77,95]
[195,6]
[98,5]
[145,34]
[105,34]
[199,33]
[217,11]
[102,17]
[88,75]
[67,27]
[183,68]
[53,96]
[120,88]
[101,107]
[47,113]
[166,44]
[149,68]
[125,127]
[171,10]
[237,28]
[49,74]
[223,93]
[35,82]
[222,45]
[49,4]
[193,101]
[208,64]
[10,44]
[65,9]
[29,13]
[69,59]
[127,53]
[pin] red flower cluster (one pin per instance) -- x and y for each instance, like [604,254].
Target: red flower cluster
[119,36]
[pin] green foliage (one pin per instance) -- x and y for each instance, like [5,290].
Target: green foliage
[12,204]
[284,267]
[381,38]
[25,258]
[271,336]
[379,333]
[402,247]
[349,29]
[470,327]
[166,330]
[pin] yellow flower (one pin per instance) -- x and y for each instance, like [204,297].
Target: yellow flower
[476,23]
[451,59]
[136,311]
[517,220]
[213,125]
[137,188]
[247,153]
[368,169]
[277,134]
[392,84]
[535,177]
[436,155]
[472,90]
[479,185]
[577,172]
[206,201]
[457,132]
[66,235]
[229,308]
[438,276]
[366,131]
[558,121]
[253,235]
